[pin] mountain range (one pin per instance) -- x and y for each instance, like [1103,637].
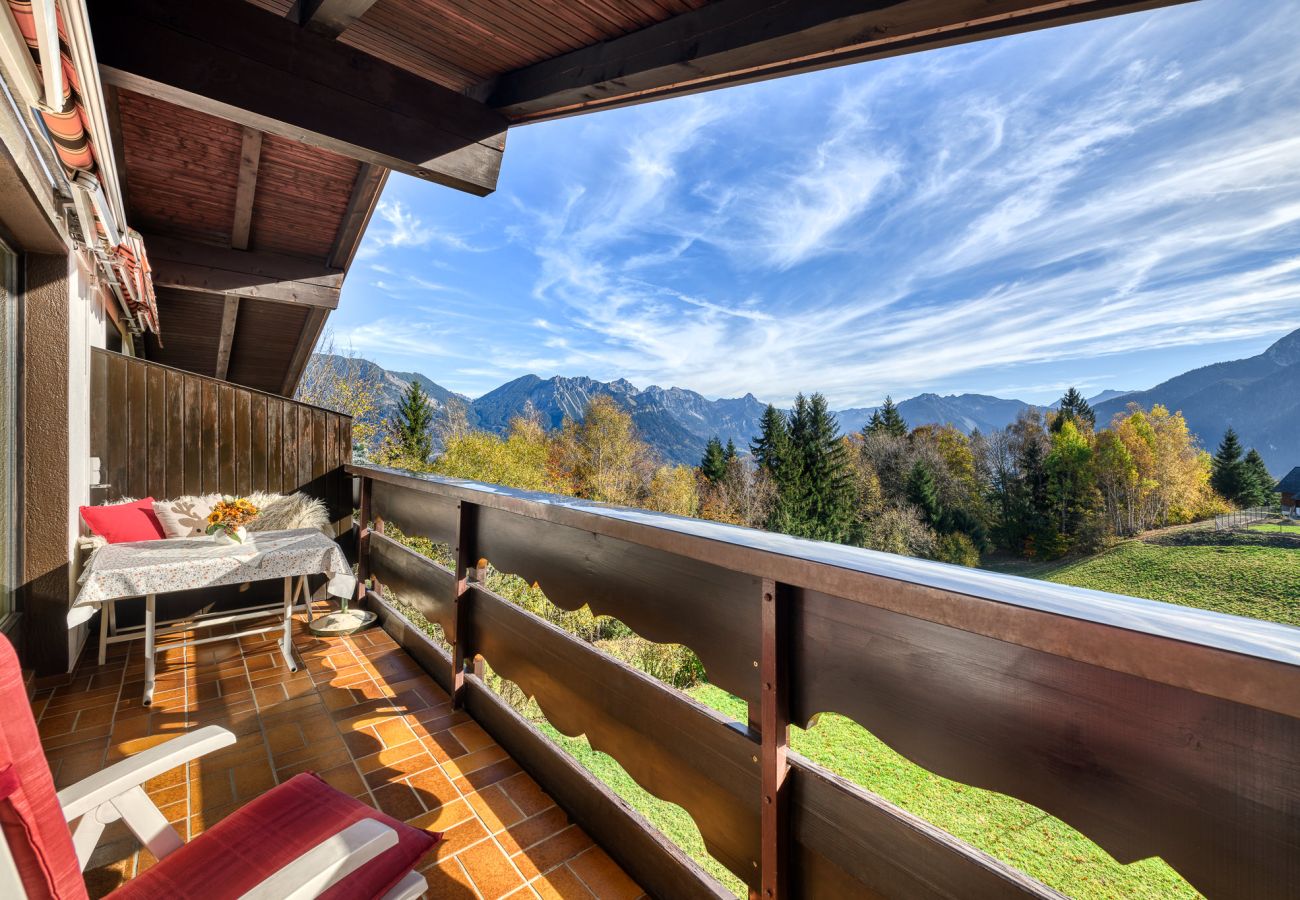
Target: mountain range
[1259,396]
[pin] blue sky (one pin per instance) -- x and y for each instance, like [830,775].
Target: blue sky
[1105,204]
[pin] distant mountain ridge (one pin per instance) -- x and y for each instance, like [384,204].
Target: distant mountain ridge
[1259,396]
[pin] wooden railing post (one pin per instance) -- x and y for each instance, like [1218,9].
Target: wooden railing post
[466,558]
[775,727]
[363,539]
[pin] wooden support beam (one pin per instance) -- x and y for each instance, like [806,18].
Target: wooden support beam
[775,730]
[739,41]
[361,206]
[244,273]
[466,559]
[331,17]
[231,59]
[363,535]
[227,340]
[311,330]
[114,115]
[250,157]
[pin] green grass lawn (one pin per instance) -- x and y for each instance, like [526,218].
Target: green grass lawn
[1276,528]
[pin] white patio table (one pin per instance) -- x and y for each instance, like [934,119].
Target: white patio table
[148,568]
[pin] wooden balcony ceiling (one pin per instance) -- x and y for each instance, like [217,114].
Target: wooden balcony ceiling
[365,717]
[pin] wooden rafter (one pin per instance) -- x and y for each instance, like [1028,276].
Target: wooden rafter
[229,314]
[244,273]
[361,206]
[250,156]
[311,331]
[738,41]
[231,59]
[331,17]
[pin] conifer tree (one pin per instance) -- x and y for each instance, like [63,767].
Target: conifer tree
[772,445]
[411,423]
[887,419]
[923,493]
[819,483]
[730,452]
[1260,482]
[714,464]
[1228,475]
[1074,408]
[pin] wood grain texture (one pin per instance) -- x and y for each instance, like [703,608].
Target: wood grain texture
[1138,767]
[250,157]
[424,516]
[674,748]
[662,597]
[418,581]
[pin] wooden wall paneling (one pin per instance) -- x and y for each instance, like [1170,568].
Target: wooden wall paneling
[849,843]
[157,425]
[416,580]
[137,411]
[116,430]
[318,450]
[426,515]
[175,439]
[100,412]
[661,596]
[289,438]
[274,444]
[211,477]
[257,439]
[191,400]
[243,446]
[226,428]
[673,747]
[1007,718]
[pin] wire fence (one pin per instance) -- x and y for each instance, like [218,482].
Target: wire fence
[1244,518]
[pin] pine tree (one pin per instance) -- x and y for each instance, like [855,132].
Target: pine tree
[1260,482]
[730,452]
[887,419]
[411,423]
[772,445]
[1074,408]
[923,493]
[819,484]
[1229,476]
[714,464]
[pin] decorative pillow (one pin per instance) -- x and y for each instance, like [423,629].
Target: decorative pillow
[184,516]
[124,522]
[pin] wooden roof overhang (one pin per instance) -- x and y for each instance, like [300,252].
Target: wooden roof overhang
[255,134]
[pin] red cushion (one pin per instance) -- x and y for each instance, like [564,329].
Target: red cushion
[124,522]
[30,816]
[263,836]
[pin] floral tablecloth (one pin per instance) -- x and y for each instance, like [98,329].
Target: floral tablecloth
[179,564]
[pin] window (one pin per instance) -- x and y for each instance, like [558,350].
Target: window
[9,576]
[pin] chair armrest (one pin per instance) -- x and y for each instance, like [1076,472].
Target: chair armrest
[119,778]
[326,864]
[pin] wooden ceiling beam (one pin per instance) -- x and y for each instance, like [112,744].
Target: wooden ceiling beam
[361,206]
[231,59]
[249,274]
[738,41]
[229,314]
[311,332]
[250,157]
[331,17]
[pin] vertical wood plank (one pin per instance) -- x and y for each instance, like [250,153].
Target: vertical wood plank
[137,389]
[363,535]
[466,558]
[289,440]
[333,474]
[175,413]
[243,442]
[197,443]
[226,438]
[316,475]
[775,724]
[274,445]
[156,423]
[209,471]
[257,442]
[116,428]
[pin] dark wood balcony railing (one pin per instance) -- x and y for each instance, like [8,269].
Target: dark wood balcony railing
[1153,729]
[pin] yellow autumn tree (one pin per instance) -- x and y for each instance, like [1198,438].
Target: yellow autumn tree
[672,489]
[517,460]
[601,457]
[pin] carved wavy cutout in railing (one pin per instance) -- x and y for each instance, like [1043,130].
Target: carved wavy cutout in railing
[663,597]
[1137,766]
[419,513]
[417,580]
[674,748]
[847,843]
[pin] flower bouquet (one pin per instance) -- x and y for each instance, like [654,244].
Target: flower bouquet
[228,518]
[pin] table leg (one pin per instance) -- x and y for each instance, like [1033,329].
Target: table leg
[286,642]
[149,618]
[103,632]
[306,595]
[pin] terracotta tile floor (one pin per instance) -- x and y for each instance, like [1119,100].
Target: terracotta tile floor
[363,715]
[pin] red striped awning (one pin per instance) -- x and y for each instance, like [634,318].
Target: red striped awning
[70,132]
